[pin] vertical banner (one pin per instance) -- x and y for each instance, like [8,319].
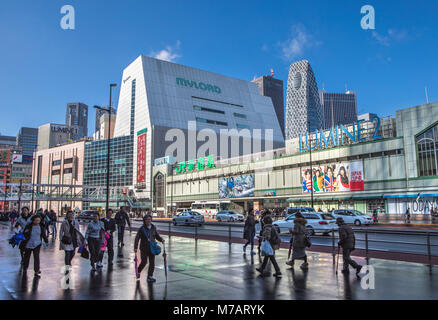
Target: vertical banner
[356,172]
[141,156]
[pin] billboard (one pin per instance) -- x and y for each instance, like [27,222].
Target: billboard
[335,177]
[236,187]
[141,157]
[17,158]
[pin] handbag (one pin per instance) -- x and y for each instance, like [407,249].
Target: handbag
[155,248]
[307,241]
[66,240]
[266,248]
[84,253]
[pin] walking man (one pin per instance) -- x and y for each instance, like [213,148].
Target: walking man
[146,234]
[347,241]
[94,238]
[110,226]
[408,215]
[53,220]
[122,219]
[249,232]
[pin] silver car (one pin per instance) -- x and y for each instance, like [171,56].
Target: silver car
[228,215]
[188,217]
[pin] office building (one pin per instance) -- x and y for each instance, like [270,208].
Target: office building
[51,135]
[338,108]
[27,139]
[7,141]
[303,107]
[99,114]
[77,116]
[102,132]
[273,88]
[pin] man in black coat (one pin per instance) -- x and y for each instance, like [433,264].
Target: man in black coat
[347,241]
[122,219]
[109,226]
[145,235]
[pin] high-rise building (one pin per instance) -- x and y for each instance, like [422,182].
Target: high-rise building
[27,139]
[273,88]
[51,135]
[102,132]
[77,115]
[99,114]
[7,141]
[303,106]
[339,108]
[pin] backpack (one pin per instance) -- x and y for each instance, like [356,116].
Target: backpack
[275,238]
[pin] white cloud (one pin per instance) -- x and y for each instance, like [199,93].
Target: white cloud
[299,41]
[390,36]
[168,54]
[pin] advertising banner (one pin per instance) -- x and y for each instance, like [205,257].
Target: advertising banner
[17,158]
[141,158]
[337,177]
[236,187]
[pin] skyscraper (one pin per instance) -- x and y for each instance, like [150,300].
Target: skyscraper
[77,115]
[273,88]
[99,114]
[27,139]
[339,108]
[302,101]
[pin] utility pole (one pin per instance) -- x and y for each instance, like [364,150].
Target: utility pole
[311,169]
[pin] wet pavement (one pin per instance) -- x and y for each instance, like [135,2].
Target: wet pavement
[206,269]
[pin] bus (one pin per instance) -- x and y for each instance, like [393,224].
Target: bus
[210,208]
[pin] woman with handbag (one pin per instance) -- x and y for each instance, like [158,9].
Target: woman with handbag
[70,237]
[270,235]
[299,241]
[147,236]
[94,239]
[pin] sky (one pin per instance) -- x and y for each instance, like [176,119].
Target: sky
[43,67]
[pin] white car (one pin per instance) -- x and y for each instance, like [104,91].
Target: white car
[228,215]
[316,223]
[353,217]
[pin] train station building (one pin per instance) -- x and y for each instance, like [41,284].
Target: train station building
[384,164]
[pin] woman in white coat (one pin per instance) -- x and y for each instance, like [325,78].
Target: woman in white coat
[70,237]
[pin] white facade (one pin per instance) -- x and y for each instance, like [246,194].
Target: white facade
[167,95]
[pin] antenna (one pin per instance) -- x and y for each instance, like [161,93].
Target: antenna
[272,72]
[346,87]
[427,96]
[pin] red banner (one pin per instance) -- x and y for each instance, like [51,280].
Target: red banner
[141,158]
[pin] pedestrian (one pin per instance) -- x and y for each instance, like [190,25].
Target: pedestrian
[263,214]
[12,217]
[70,238]
[53,220]
[249,231]
[21,223]
[408,215]
[299,242]
[271,235]
[375,216]
[33,235]
[94,238]
[146,234]
[121,220]
[347,241]
[109,226]
[45,221]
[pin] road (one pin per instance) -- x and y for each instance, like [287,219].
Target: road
[405,241]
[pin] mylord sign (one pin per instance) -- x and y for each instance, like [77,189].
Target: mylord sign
[336,135]
[198,85]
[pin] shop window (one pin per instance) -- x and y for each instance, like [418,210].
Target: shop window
[427,151]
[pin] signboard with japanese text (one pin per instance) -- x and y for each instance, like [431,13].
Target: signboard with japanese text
[141,156]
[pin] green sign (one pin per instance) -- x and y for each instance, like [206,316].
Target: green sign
[139,133]
[198,164]
[198,85]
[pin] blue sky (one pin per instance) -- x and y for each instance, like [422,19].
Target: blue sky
[43,66]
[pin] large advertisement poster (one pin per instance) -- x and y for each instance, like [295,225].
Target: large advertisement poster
[336,177]
[141,158]
[236,187]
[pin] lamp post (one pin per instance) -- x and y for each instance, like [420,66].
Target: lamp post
[311,169]
[112,85]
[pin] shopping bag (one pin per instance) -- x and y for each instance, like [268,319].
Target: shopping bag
[267,249]
[84,253]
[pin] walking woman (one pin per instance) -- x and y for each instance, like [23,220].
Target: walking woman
[33,234]
[21,223]
[70,237]
[146,234]
[249,231]
[94,238]
[270,234]
[299,242]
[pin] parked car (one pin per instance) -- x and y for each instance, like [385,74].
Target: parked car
[188,217]
[317,222]
[228,215]
[353,217]
[294,210]
[86,215]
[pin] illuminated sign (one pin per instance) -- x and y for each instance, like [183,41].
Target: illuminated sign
[198,164]
[141,156]
[336,136]
[198,85]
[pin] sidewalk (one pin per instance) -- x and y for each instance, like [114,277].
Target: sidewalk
[210,270]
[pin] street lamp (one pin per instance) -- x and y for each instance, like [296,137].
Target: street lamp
[112,85]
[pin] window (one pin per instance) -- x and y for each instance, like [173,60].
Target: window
[68,160]
[427,150]
[68,170]
[216,122]
[56,162]
[239,115]
[198,108]
[242,126]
